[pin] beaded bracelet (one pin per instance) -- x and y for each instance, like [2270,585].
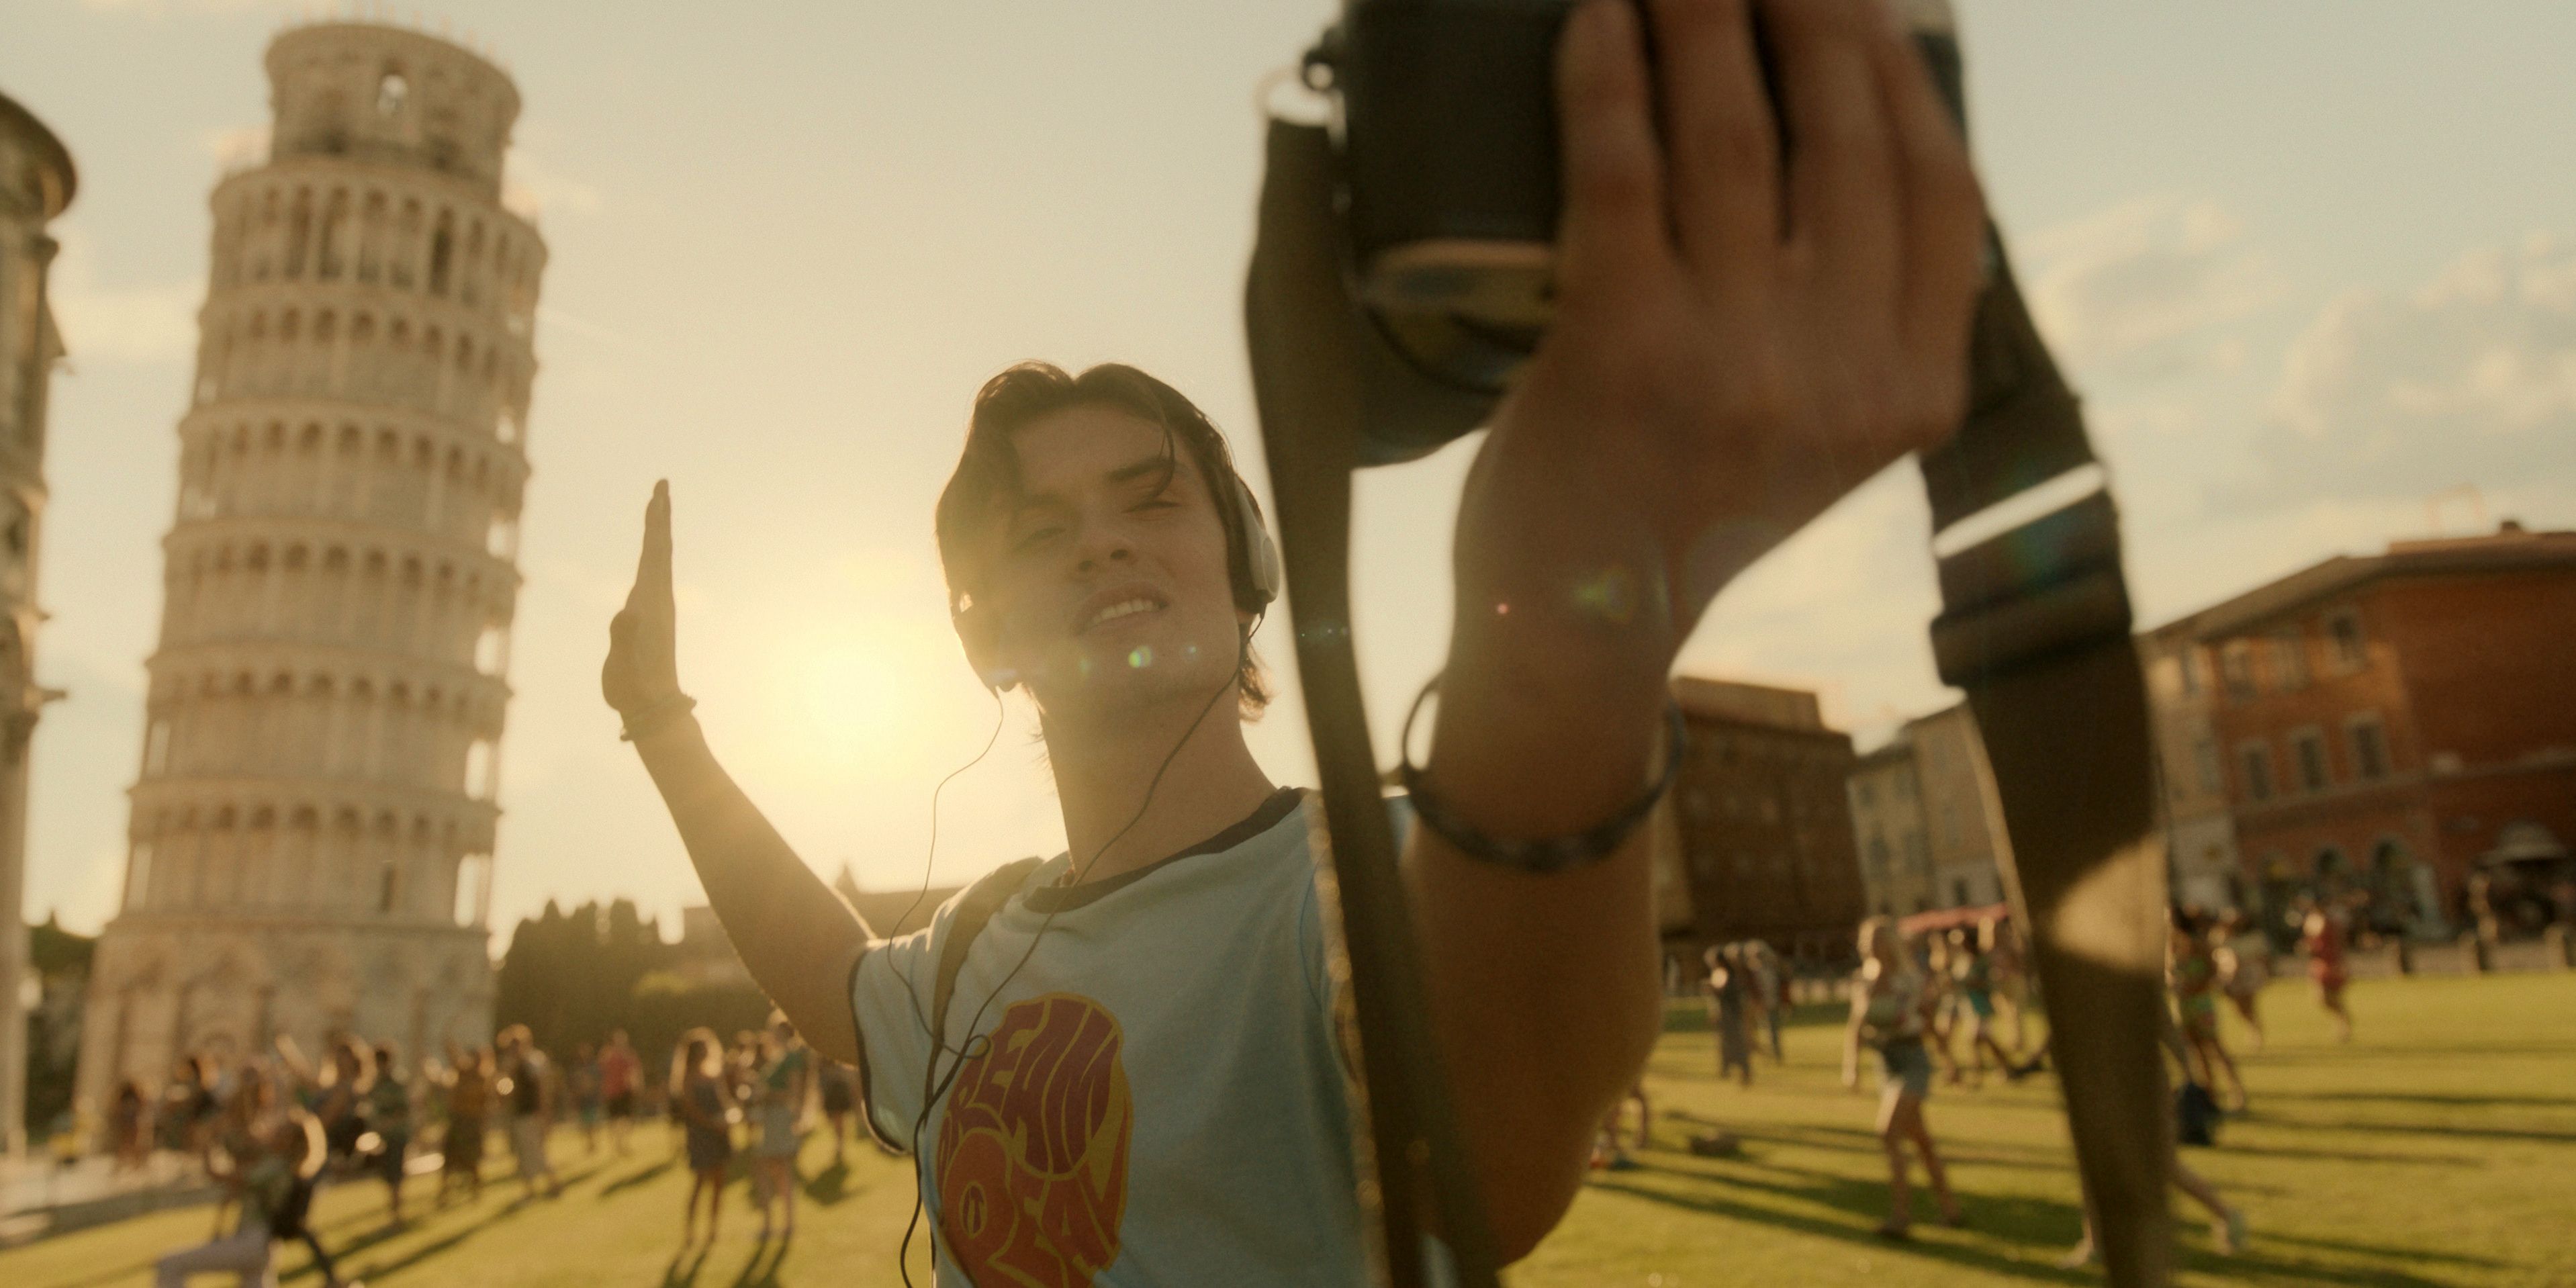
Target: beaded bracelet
[656,715]
[1553,854]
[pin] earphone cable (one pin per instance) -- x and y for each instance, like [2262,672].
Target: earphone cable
[966,1049]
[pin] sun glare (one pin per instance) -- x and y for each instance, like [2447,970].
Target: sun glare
[851,699]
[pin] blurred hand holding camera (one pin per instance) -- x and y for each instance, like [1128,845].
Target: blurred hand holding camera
[1743,334]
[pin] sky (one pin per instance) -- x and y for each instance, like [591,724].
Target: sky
[2312,264]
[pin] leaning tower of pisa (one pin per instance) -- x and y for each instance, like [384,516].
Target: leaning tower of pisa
[311,831]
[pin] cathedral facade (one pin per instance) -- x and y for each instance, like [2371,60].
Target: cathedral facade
[312,828]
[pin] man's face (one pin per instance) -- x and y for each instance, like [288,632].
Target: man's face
[1109,577]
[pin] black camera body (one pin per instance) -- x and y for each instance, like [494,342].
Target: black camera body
[1449,161]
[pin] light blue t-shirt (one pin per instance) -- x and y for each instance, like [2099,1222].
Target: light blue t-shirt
[1162,1101]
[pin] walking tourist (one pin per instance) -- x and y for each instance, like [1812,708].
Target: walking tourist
[1730,989]
[702,1098]
[270,1179]
[129,1127]
[2192,973]
[581,1086]
[1891,1009]
[469,1101]
[840,1092]
[1975,963]
[531,1102]
[1932,950]
[2321,935]
[2244,957]
[619,1073]
[1771,991]
[786,1084]
[388,1113]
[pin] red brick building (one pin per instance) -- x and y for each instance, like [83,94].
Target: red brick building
[2382,720]
[1757,842]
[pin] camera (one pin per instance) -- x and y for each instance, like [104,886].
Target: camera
[1447,141]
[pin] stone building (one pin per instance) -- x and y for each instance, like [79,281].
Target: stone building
[311,832]
[1887,823]
[2392,723]
[1962,819]
[36,182]
[1759,844]
[2200,832]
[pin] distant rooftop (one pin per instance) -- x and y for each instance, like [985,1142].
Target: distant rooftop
[2510,548]
[1756,704]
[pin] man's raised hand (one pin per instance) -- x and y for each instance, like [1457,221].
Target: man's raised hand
[642,667]
[1742,336]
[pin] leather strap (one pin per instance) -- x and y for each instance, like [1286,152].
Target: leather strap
[2036,627]
[974,910]
[1315,363]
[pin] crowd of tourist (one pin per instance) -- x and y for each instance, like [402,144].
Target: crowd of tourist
[268,1130]
[1944,1000]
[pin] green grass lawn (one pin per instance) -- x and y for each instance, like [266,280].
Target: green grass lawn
[2438,1148]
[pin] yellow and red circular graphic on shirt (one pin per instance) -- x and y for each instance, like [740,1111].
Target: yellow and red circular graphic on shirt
[1032,1158]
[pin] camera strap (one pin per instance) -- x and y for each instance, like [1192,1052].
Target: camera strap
[2036,627]
[1309,360]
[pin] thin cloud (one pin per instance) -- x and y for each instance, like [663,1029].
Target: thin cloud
[2140,287]
[2471,378]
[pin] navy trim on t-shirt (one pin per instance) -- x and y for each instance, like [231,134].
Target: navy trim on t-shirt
[1057,898]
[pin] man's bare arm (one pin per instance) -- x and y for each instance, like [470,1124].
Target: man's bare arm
[1738,344]
[796,936]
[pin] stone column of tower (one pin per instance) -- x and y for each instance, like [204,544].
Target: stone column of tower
[36,182]
[311,833]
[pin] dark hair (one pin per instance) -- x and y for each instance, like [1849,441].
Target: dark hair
[988,473]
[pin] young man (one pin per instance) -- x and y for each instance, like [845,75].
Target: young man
[1140,1081]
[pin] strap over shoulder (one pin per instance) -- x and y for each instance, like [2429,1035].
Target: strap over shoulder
[975,908]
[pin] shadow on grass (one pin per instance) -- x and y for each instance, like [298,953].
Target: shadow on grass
[2536,1135]
[2349,1155]
[634,1179]
[762,1270]
[684,1268]
[831,1185]
[2459,1100]
[1845,1194]
[1999,1218]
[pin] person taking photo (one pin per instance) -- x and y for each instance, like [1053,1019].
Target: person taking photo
[1140,1078]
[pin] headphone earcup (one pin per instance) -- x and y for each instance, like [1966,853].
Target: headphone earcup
[975,629]
[1262,579]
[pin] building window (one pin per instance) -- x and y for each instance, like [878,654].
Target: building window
[2257,762]
[138,878]
[2189,662]
[1959,892]
[1878,856]
[2343,630]
[473,889]
[2204,762]
[2369,748]
[2236,667]
[391,93]
[2290,659]
[2309,746]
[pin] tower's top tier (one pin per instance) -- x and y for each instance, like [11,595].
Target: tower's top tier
[392,96]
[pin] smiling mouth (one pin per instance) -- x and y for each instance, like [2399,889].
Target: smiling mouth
[1128,607]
